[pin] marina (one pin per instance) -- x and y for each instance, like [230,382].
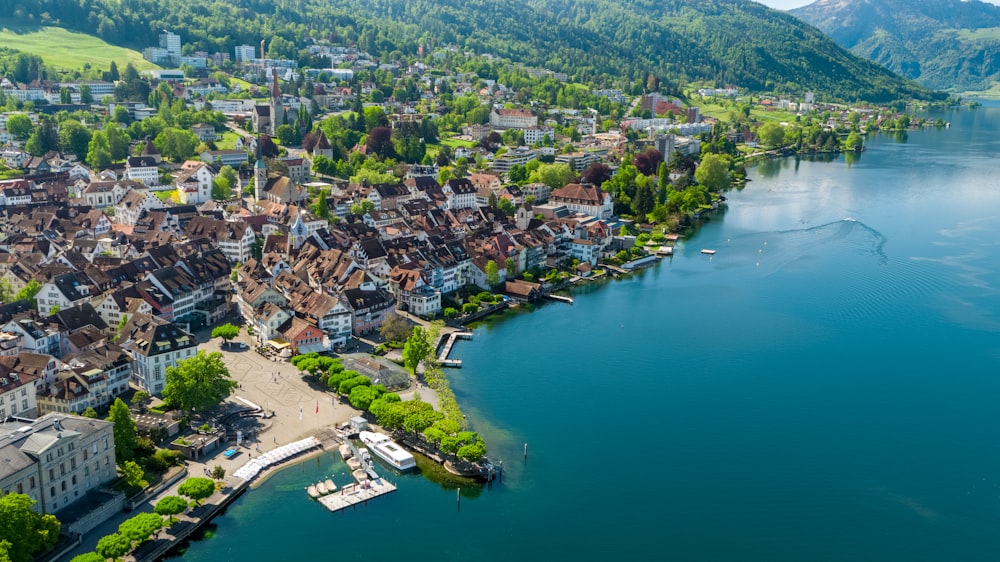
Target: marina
[353,494]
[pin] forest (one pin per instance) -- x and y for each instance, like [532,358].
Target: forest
[596,42]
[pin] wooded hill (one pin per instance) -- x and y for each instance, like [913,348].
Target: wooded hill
[600,42]
[945,44]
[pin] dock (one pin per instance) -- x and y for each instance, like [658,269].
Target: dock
[560,298]
[450,343]
[353,494]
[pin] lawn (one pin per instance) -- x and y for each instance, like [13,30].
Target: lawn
[228,141]
[70,50]
[455,143]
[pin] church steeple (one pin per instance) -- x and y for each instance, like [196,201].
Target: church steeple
[277,107]
[259,172]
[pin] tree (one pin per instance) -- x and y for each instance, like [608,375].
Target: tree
[19,125]
[176,144]
[140,527]
[197,489]
[74,137]
[395,328]
[124,431]
[511,267]
[89,557]
[218,472]
[596,174]
[65,96]
[492,274]
[114,546]
[25,532]
[198,383]
[322,208]
[553,175]
[226,332]
[170,506]
[28,292]
[118,141]
[417,349]
[90,412]
[644,200]
[118,332]
[134,475]
[713,172]
[771,134]
[379,142]
[854,141]
[221,189]
[86,94]
[99,151]
[44,137]
[647,162]
[141,398]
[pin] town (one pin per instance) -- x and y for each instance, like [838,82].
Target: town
[306,206]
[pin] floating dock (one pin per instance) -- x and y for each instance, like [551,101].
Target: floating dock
[450,343]
[353,494]
[560,298]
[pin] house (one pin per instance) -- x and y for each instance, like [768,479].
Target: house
[35,337]
[412,294]
[204,132]
[194,183]
[17,394]
[298,169]
[584,198]
[90,379]
[267,320]
[303,336]
[369,307]
[226,157]
[512,119]
[460,194]
[143,169]
[64,291]
[56,459]
[154,345]
[133,205]
[235,238]
[101,194]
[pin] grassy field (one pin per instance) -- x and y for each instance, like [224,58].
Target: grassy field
[61,48]
[227,141]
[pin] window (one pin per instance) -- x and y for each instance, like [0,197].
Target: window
[72,464]
[86,454]
[31,482]
[63,484]
[52,491]
[62,468]
[52,474]
[20,488]
[74,480]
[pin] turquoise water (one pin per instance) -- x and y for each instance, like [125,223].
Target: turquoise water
[824,388]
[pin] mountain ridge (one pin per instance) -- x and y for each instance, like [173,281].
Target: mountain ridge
[943,44]
[598,41]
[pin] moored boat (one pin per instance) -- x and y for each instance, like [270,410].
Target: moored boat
[387,450]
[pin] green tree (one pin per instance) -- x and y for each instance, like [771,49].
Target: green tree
[74,137]
[99,151]
[771,134]
[90,412]
[511,267]
[28,292]
[86,94]
[140,527]
[713,172]
[417,349]
[170,506]
[854,141]
[121,326]
[89,557]
[221,189]
[226,332]
[176,144]
[124,431]
[20,126]
[118,141]
[44,137]
[114,546]
[395,328]
[218,472]
[197,489]
[644,200]
[322,208]
[65,96]
[133,474]
[198,383]
[553,175]
[141,398]
[492,274]
[25,532]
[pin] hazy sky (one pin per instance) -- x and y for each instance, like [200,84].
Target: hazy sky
[789,4]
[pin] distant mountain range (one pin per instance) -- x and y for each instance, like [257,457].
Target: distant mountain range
[943,44]
[614,42]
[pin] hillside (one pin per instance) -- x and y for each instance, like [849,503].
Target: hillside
[943,44]
[65,49]
[595,41]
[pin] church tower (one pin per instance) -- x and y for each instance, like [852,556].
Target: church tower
[259,173]
[277,107]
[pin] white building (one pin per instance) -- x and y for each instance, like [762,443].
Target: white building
[244,53]
[512,119]
[154,345]
[56,459]
[17,396]
[144,169]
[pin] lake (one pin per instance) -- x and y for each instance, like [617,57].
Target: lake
[824,387]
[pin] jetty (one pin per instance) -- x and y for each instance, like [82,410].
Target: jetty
[560,298]
[353,494]
[450,343]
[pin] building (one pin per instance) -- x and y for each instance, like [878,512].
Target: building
[143,169]
[17,394]
[586,199]
[56,459]
[578,161]
[154,345]
[244,53]
[226,157]
[512,119]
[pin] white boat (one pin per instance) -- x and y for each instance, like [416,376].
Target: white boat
[708,252]
[385,449]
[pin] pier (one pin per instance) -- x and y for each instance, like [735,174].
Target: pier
[452,338]
[560,298]
[353,494]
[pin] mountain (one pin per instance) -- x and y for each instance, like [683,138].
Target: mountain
[943,44]
[595,41]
